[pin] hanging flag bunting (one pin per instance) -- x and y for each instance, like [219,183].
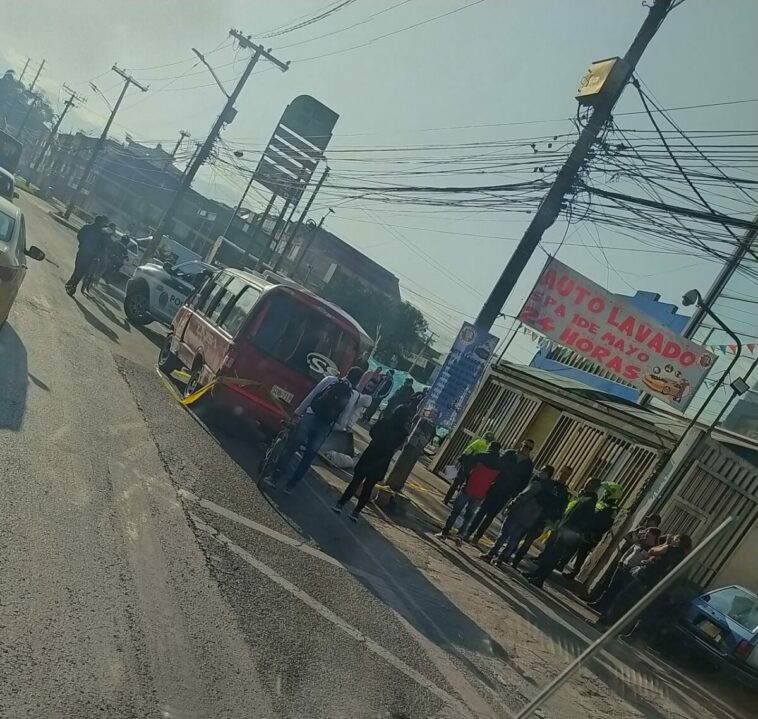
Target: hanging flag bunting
[732,348]
[723,348]
[751,347]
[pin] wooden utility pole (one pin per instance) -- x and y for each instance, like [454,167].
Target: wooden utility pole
[182,135]
[128,80]
[550,208]
[23,72]
[227,115]
[36,77]
[72,98]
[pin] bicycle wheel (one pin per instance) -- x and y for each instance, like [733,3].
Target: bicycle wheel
[271,457]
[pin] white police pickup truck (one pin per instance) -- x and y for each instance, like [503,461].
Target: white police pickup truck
[156,292]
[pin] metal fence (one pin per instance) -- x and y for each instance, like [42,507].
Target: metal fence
[590,449]
[719,484]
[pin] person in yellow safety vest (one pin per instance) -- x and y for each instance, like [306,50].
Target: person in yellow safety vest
[606,509]
[478,446]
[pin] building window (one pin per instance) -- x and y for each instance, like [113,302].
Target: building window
[330,272]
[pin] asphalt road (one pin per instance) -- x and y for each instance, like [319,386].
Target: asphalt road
[109,605]
[144,574]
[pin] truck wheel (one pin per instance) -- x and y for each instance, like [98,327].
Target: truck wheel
[167,360]
[193,383]
[137,308]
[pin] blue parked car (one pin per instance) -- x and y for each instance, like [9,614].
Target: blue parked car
[723,625]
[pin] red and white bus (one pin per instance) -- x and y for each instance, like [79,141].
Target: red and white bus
[279,340]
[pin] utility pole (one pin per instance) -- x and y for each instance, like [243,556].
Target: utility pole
[227,115]
[23,72]
[128,80]
[70,100]
[198,145]
[36,77]
[300,221]
[551,206]
[21,127]
[722,279]
[309,240]
[182,135]
[428,341]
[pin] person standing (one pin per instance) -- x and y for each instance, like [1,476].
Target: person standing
[402,395]
[632,537]
[91,240]
[387,436]
[635,555]
[606,509]
[516,470]
[485,467]
[543,496]
[564,474]
[382,390]
[661,560]
[566,537]
[329,402]
[369,381]
[118,257]
[100,261]
[476,446]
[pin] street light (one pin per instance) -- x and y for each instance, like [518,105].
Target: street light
[693,297]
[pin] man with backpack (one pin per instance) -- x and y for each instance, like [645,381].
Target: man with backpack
[317,414]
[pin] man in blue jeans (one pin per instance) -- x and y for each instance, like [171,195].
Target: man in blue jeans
[330,401]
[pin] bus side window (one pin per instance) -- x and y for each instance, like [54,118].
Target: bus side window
[220,281]
[241,306]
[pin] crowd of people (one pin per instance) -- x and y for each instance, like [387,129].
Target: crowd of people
[101,253]
[538,504]
[335,403]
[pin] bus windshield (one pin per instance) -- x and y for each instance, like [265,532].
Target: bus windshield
[10,152]
[304,338]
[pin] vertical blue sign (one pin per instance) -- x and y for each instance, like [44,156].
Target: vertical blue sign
[456,380]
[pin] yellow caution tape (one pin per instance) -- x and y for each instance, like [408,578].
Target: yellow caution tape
[198,393]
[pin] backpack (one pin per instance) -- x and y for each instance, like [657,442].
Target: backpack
[329,404]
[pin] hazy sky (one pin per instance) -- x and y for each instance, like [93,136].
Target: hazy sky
[494,65]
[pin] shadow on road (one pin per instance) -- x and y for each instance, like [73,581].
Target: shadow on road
[98,324]
[38,382]
[407,590]
[98,298]
[364,548]
[13,379]
[157,338]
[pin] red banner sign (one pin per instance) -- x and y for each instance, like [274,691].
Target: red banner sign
[573,311]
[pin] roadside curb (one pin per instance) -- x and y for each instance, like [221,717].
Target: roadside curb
[63,221]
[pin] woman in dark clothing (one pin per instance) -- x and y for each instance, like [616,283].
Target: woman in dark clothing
[387,435]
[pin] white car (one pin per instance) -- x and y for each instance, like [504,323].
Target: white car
[156,292]
[133,256]
[168,251]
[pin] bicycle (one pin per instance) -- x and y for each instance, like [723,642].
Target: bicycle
[274,451]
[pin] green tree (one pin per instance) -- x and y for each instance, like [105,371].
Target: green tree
[403,326]
[16,101]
